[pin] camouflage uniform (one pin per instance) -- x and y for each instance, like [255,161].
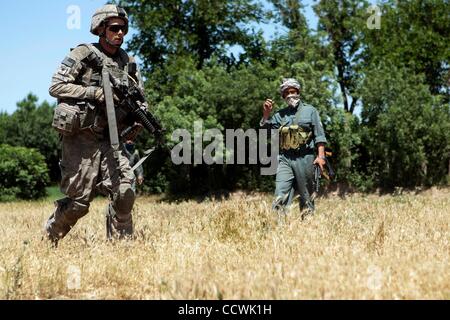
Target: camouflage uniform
[88,165]
[295,169]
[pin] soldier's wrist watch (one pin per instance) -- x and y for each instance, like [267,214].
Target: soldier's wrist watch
[322,157]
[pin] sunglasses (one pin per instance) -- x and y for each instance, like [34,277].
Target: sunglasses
[116,28]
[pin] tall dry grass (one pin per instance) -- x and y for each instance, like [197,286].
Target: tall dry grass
[361,247]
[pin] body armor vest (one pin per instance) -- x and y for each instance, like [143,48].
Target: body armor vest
[73,115]
[93,63]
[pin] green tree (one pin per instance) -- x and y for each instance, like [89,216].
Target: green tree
[197,28]
[290,14]
[23,173]
[406,130]
[190,75]
[222,98]
[420,41]
[343,22]
[30,126]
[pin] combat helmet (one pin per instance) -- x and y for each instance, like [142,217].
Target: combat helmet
[289,83]
[106,12]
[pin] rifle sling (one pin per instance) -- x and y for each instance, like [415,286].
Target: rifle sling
[147,154]
[111,112]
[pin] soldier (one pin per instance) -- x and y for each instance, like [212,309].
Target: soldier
[89,163]
[133,155]
[301,137]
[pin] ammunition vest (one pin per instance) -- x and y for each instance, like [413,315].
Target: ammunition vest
[122,69]
[293,137]
[94,62]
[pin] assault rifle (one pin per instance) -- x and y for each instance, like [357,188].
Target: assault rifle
[328,173]
[131,99]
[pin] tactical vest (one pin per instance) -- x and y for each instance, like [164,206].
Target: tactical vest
[93,63]
[73,115]
[293,137]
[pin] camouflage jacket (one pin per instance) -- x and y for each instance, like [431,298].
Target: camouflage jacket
[77,79]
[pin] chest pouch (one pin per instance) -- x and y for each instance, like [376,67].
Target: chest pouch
[293,137]
[66,119]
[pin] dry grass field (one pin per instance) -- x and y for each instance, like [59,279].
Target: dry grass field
[360,247]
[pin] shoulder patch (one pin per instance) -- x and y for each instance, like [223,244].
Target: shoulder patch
[68,62]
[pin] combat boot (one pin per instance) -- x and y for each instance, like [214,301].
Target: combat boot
[116,229]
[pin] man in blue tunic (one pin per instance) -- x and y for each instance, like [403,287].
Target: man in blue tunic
[133,155]
[302,145]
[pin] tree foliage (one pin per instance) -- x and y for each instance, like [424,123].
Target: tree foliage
[195,28]
[30,126]
[405,129]
[339,69]
[382,94]
[414,34]
[342,22]
[23,173]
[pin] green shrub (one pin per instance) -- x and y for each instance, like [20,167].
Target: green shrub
[23,173]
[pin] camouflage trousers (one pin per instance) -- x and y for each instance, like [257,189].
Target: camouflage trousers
[295,173]
[88,167]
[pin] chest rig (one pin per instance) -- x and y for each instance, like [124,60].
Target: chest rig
[74,115]
[94,117]
[294,136]
[122,69]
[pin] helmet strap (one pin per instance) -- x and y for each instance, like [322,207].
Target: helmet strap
[110,43]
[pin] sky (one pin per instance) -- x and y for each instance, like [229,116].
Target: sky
[37,35]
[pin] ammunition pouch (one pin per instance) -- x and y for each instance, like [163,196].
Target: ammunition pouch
[293,137]
[70,117]
[66,119]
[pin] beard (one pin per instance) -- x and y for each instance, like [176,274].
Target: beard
[292,100]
